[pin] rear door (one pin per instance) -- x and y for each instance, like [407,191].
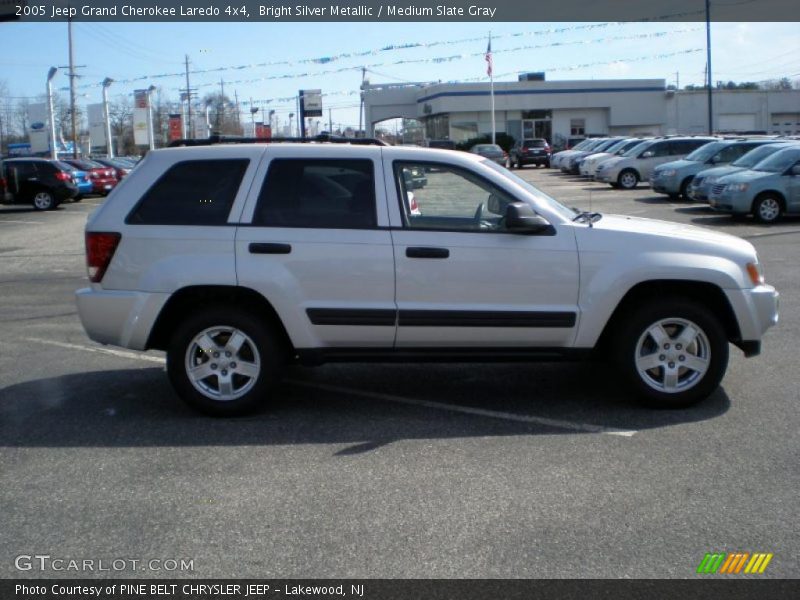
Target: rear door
[314,240]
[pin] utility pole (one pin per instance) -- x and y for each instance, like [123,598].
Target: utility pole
[221,105]
[72,75]
[708,67]
[188,92]
[236,104]
[361,108]
[330,121]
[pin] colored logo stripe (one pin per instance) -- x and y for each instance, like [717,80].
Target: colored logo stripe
[734,562]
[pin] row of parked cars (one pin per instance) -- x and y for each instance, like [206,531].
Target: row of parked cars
[46,183]
[739,176]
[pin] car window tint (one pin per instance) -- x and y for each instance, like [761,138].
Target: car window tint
[194,192]
[662,149]
[318,193]
[451,199]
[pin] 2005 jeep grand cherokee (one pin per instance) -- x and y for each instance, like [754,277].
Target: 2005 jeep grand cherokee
[239,258]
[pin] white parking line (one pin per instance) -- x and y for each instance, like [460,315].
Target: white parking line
[112,352]
[23,222]
[468,410]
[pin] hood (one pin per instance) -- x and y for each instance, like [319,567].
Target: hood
[747,175]
[613,161]
[718,172]
[678,164]
[672,233]
[598,156]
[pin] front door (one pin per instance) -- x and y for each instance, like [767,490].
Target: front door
[464,281]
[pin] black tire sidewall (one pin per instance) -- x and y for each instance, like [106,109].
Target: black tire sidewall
[267,341]
[624,348]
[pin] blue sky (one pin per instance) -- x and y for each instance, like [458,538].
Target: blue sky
[741,51]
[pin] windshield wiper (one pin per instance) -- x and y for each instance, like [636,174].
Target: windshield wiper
[588,217]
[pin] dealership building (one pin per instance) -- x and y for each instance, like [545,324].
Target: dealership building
[558,110]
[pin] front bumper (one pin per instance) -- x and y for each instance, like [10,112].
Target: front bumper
[730,203]
[119,318]
[756,310]
[665,185]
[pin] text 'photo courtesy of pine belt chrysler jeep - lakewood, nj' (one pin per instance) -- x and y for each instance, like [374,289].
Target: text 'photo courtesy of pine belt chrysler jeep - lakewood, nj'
[240,258]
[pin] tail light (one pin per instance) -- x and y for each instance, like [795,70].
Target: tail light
[109,173]
[100,248]
[413,205]
[63,176]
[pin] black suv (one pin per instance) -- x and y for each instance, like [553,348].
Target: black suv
[530,152]
[42,182]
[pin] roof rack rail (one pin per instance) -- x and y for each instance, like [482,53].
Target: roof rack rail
[323,138]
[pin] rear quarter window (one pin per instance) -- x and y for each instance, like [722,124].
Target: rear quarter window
[192,192]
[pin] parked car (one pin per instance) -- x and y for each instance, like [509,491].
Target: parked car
[557,158]
[673,178]
[42,182]
[121,167]
[81,179]
[571,164]
[491,151]
[767,191]
[701,184]
[529,152]
[282,253]
[637,164]
[102,178]
[589,163]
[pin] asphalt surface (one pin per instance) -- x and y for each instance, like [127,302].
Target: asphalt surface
[422,471]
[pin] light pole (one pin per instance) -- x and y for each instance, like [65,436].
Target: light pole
[271,114]
[150,133]
[291,131]
[253,111]
[109,142]
[53,149]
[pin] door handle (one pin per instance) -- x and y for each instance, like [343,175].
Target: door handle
[426,252]
[269,248]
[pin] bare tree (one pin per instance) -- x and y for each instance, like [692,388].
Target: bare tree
[120,113]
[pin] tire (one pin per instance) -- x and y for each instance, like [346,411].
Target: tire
[77,198]
[667,384]
[768,209]
[684,193]
[628,179]
[614,185]
[43,200]
[252,370]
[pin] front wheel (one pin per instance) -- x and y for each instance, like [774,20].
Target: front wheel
[224,363]
[628,179]
[767,209]
[672,353]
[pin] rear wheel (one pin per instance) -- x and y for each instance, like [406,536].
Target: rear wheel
[43,200]
[77,198]
[672,353]
[767,208]
[685,188]
[224,363]
[628,179]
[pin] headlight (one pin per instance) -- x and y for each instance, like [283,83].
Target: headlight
[666,173]
[737,187]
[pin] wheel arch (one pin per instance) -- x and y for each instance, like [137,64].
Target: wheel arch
[191,298]
[779,195]
[705,293]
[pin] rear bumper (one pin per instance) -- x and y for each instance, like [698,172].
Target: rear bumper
[119,318]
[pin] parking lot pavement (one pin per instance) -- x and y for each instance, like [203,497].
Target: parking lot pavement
[542,470]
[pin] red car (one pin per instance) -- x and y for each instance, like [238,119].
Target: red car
[103,178]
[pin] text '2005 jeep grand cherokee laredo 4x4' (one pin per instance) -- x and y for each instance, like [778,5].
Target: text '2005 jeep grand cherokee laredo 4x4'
[238,258]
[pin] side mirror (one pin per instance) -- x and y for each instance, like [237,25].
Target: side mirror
[520,218]
[648,154]
[795,170]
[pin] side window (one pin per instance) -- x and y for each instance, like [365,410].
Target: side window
[193,192]
[731,153]
[690,146]
[662,149]
[318,193]
[450,199]
[24,169]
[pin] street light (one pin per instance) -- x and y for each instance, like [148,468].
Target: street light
[150,133]
[291,116]
[53,150]
[109,143]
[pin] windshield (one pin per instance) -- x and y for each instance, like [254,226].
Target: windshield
[755,156]
[637,148]
[703,153]
[582,145]
[780,161]
[616,146]
[552,203]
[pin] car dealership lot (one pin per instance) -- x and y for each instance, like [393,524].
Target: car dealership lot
[542,470]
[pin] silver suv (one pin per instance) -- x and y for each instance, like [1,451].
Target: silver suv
[239,258]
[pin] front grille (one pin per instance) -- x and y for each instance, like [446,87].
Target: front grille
[717,189]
